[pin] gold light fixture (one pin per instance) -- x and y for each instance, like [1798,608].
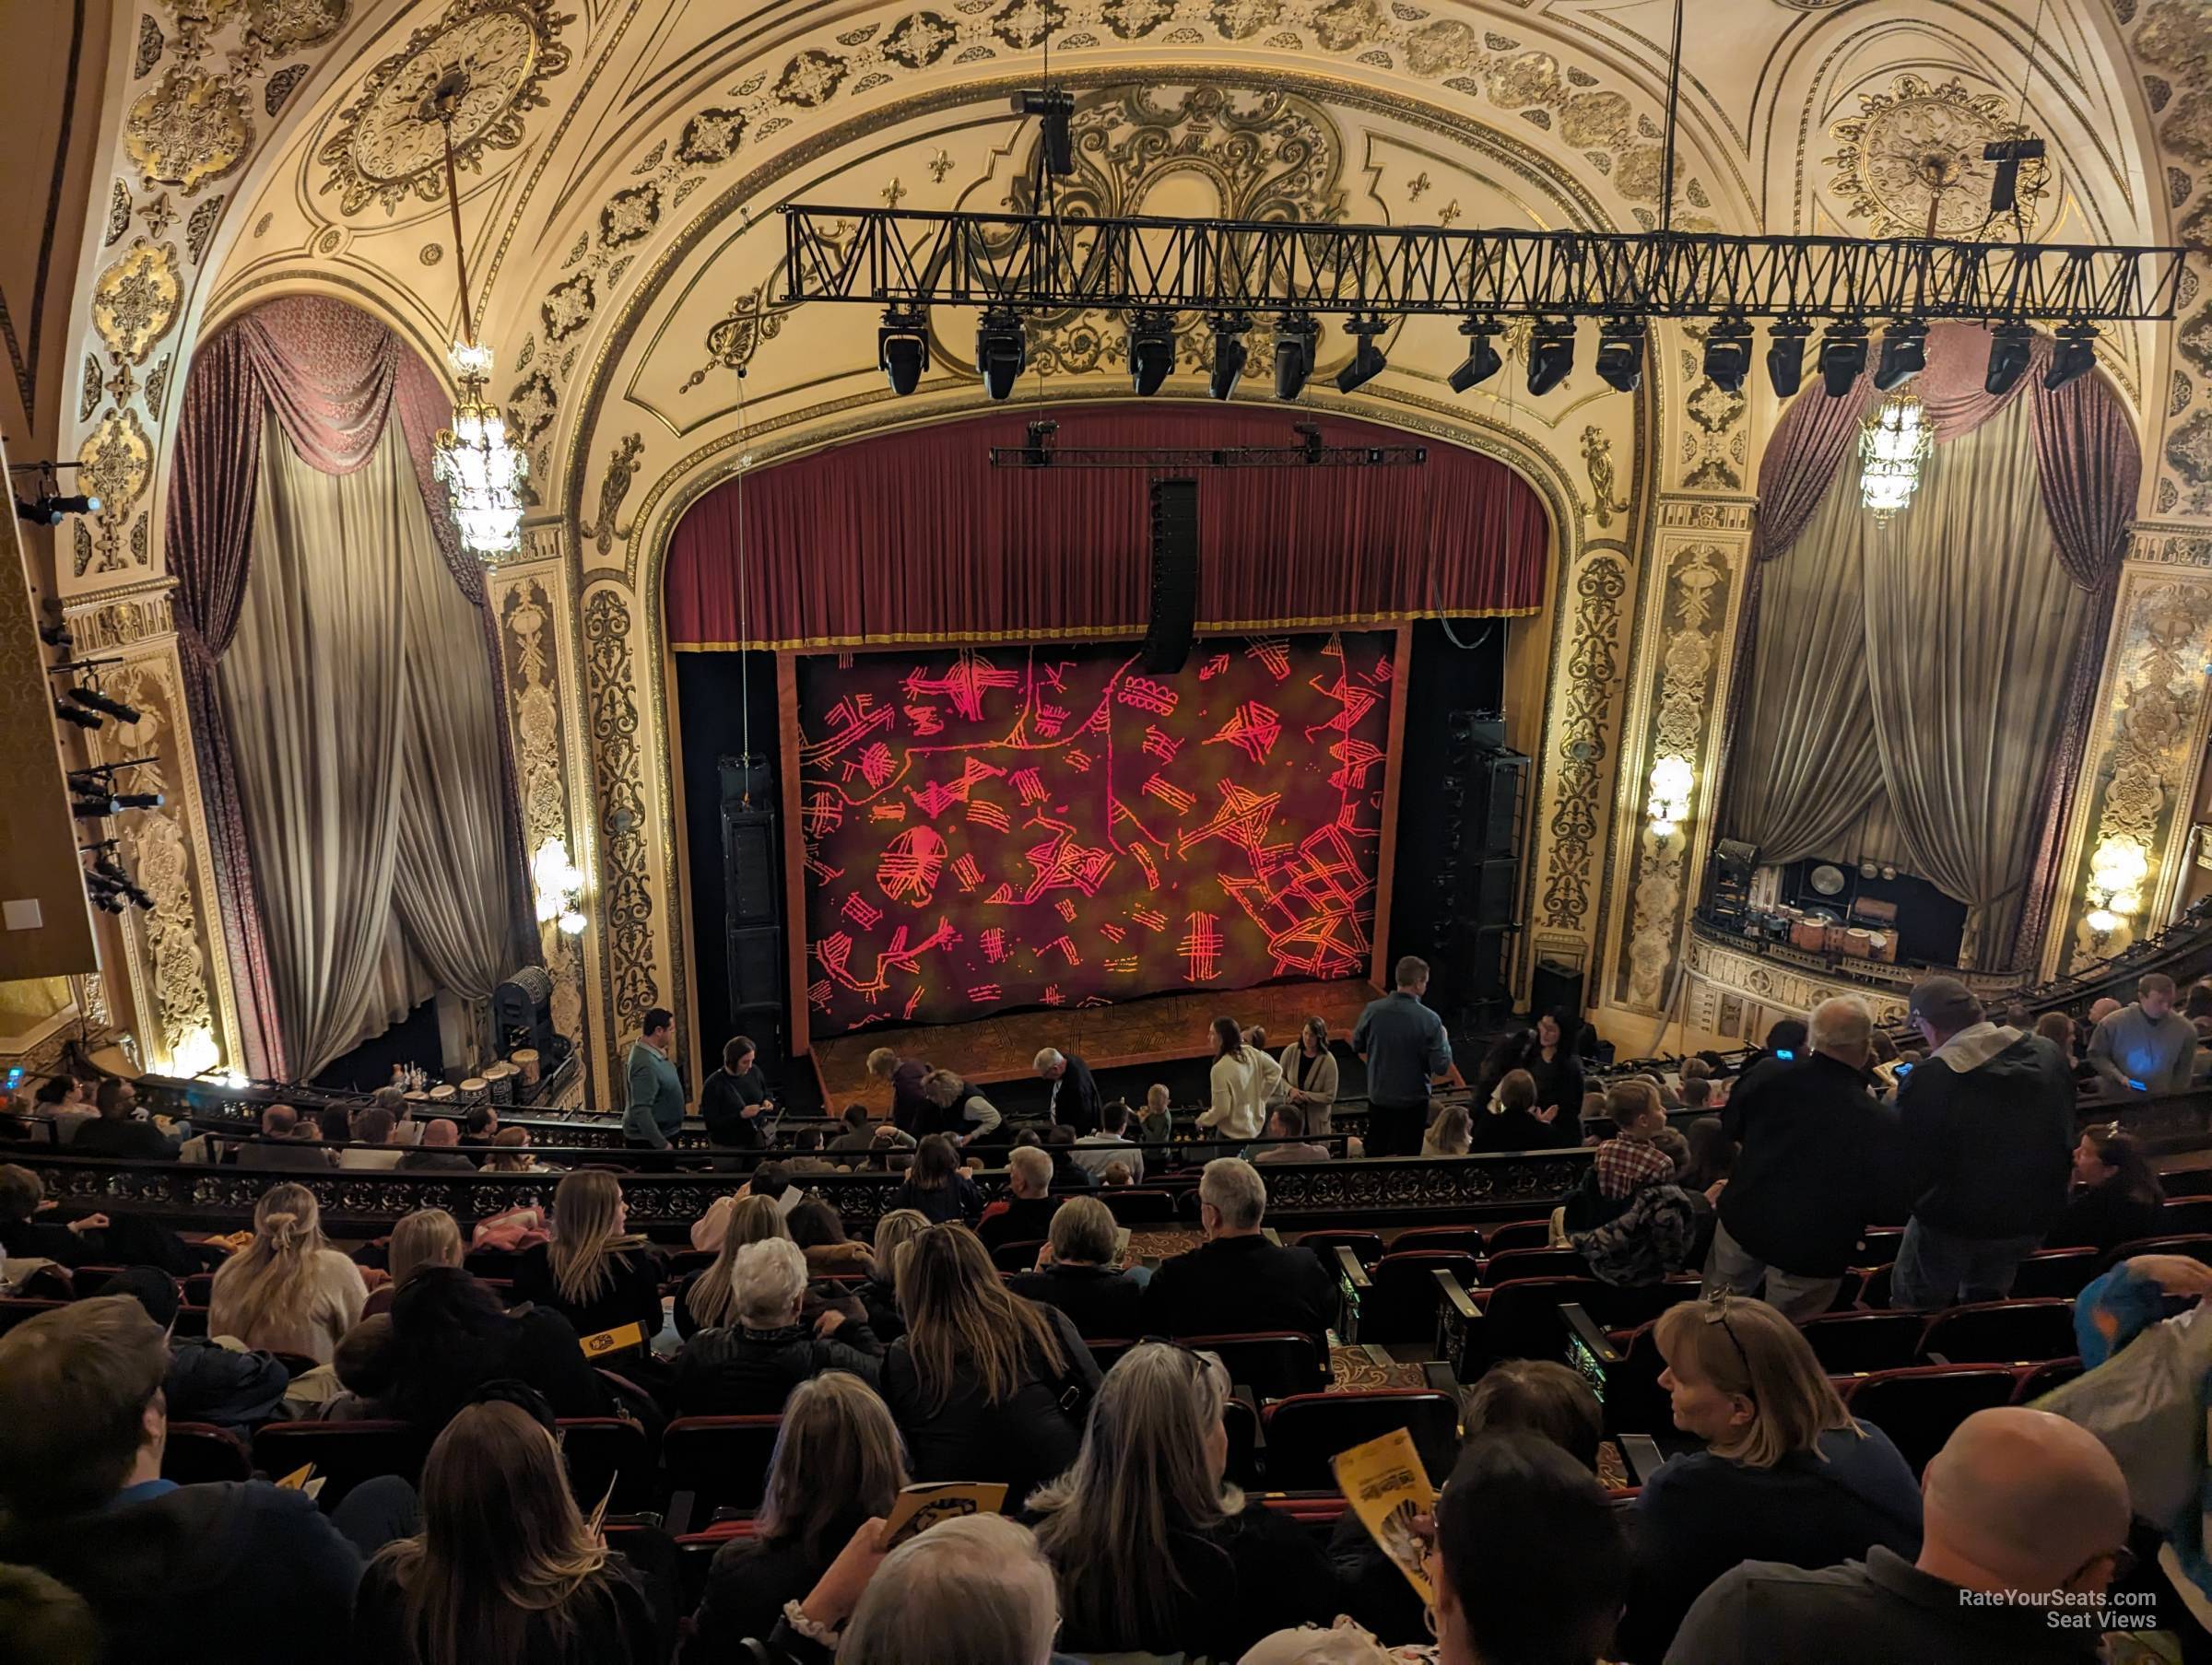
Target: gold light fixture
[473,459]
[1893,443]
[1671,781]
[2118,871]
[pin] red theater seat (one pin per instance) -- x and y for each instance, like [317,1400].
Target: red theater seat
[1847,1343]
[1306,1432]
[196,1454]
[1399,1303]
[344,1453]
[2001,1332]
[715,1462]
[1272,1364]
[1918,1408]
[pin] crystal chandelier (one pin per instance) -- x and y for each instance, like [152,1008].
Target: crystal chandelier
[473,459]
[1893,443]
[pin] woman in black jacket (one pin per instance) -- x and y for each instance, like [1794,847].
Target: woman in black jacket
[450,1335]
[1153,1552]
[937,1186]
[750,1368]
[1548,1056]
[838,1463]
[1076,1273]
[595,1272]
[1513,1120]
[2118,1198]
[985,1385]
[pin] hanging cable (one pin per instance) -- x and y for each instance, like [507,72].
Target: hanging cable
[1673,100]
[745,643]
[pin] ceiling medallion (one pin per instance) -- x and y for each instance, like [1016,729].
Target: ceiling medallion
[1918,147]
[505,52]
[189,129]
[116,460]
[284,26]
[134,300]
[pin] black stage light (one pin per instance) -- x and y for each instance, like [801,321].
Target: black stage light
[47,509]
[56,636]
[1151,350]
[1056,110]
[1904,352]
[1728,354]
[1620,354]
[1368,362]
[94,700]
[1294,335]
[1229,355]
[1037,449]
[2005,181]
[2074,356]
[2008,347]
[1000,350]
[69,713]
[1550,355]
[1482,360]
[1785,356]
[1843,357]
[94,809]
[902,349]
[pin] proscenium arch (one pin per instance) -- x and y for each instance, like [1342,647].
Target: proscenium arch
[718,456]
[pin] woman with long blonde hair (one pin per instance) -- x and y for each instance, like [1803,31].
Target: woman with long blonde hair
[1154,1550]
[288,1291]
[1787,1474]
[505,1571]
[710,1297]
[428,1236]
[595,1272]
[878,1291]
[985,1385]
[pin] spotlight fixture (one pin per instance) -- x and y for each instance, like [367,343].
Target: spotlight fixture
[2008,352]
[69,713]
[1037,448]
[1482,360]
[1904,352]
[903,347]
[1843,357]
[1056,110]
[48,509]
[1728,354]
[101,806]
[1785,356]
[1294,334]
[94,700]
[1620,354]
[2004,181]
[1368,360]
[1229,354]
[1550,355]
[2073,357]
[1152,351]
[1000,350]
[57,636]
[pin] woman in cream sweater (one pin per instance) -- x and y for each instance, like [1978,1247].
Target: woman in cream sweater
[1242,1077]
[288,1291]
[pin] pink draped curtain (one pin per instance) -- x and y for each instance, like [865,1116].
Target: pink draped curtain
[331,377]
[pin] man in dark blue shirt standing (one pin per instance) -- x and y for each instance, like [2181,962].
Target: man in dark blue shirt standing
[1405,1048]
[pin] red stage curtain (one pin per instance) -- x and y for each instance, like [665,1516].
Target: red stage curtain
[914,537]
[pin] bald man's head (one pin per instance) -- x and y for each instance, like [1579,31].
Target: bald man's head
[2021,1500]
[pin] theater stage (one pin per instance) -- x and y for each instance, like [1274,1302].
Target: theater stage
[1154,1030]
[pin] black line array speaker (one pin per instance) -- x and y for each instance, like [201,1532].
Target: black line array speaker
[1174,575]
[753,901]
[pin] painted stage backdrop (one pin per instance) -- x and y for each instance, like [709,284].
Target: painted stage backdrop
[1010,826]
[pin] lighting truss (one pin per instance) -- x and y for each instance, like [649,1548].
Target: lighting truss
[1034,262]
[1312,451]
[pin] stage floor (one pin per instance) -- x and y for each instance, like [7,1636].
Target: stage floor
[1155,1030]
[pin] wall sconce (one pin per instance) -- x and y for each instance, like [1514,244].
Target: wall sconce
[195,1054]
[1672,779]
[559,885]
[2116,874]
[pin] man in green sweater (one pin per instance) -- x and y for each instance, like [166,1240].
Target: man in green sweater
[655,1108]
[2149,1047]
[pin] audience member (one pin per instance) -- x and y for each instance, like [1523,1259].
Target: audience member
[1237,1282]
[956,1109]
[1154,1551]
[1450,1134]
[1074,1100]
[1663,1229]
[937,1186]
[1115,1174]
[595,1272]
[1068,1175]
[61,1099]
[806,1153]
[288,1291]
[1513,1120]
[859,1135]
[1158,1123]
[2058,1029]
[23,1237]
[43,1622]
[708,1298]
[505,1570]
[448,1335]
[1697,1092]
[2118,1198]
[2026,1519]
[214,1381]
[911,1109]
[239,1573]
[479,1129]
[1626,1163]
[984,1384]
[1025,1213]
[733,1101]
[428,1236]
[1285,1123]
[1547,1053]
[1530,1560]
[819,1231]
[1711,1156]
[879,1291]
[1818,1167]
[1785,1044]
[377,1129]
[838,1462]
[278,1149]
[2148,1047]
[1310,1075]
[1407,1049]
[1786,1473]
[1077,1273]
[1988,1140]
[652,1111]
[749,1366]
[116,1132]
[510,1153]
[1112,1143]
[437,1152]
[1237,1109]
